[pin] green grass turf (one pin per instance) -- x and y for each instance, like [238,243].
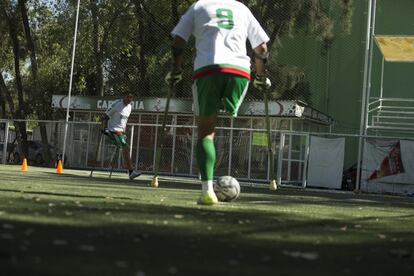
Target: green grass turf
[71,224]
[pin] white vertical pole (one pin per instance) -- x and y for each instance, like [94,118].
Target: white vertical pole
[249,169]
[305,166]
[174,122]
[371,54]
[366,85]
[102,154]
[230,145]
[6,141]
[154,157]
[132,141]
[300,167]
[378,118]
[268,159]
[280,158]
[138,142]
[382,81]
[289,172]
[89,138]
[192,146]
[328,68]
[70,81]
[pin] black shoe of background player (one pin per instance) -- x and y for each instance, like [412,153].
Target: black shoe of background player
[133,174]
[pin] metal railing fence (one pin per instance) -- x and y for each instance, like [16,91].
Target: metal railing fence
[240,146]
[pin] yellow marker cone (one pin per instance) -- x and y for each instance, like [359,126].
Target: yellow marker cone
[59,168]
[273,186]
[24,165]
[154,182]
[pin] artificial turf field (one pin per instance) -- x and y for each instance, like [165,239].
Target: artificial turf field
[71,224]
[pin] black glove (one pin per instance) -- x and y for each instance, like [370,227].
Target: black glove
[106,131]
[173,77]
[262,82]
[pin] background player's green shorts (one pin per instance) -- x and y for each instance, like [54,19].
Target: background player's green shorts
[216,91]
[118,139]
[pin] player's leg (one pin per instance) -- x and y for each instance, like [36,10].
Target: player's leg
[234,92]
[128,164]
[120,140]
[206,157]
[127,160]
[206,106]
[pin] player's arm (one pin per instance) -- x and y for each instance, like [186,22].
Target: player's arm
[177,53]
[177,50]
[180,34]
[258,39]
[261,55]
[104,124]
[105,118]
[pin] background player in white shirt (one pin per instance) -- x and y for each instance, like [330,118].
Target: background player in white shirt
[114,123]
[221,70]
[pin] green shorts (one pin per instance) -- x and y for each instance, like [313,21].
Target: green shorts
[217,91]
[118,139]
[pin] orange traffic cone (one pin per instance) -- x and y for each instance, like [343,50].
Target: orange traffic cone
[24,165]
[59,168]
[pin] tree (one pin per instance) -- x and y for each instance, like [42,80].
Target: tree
[6,96]
[34,70]
[9,11]
[124,46]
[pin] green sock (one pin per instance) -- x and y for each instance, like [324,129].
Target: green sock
[206,158]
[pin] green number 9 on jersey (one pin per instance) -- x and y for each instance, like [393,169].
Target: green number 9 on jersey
[227,22]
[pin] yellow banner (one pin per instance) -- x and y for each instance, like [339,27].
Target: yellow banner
[396,48]
[259,139]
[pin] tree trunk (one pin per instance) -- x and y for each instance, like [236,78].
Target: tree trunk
[96,48]
[3,105]
[141,42]
[174,13]
[34,69]
[3,97]
[21,113]
[7,95]
[29,39]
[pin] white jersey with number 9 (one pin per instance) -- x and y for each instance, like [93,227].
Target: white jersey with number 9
[221,28]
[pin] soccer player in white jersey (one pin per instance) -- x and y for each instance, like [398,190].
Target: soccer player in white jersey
[221,70]
[114,122]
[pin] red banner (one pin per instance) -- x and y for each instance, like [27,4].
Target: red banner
[391,165]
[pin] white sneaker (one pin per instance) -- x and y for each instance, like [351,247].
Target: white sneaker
[134,174]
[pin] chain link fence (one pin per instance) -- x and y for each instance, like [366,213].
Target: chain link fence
[241,147]
[124,46]
[241,151]
[37,150]
[318,51]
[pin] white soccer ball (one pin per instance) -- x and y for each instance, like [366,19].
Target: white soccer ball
[227,188]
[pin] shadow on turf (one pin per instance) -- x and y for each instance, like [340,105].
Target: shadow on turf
[60,194]
[228,248]
[164,182]
[283,196]
[290,197]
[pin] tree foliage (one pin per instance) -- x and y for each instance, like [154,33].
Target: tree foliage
[124,46]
